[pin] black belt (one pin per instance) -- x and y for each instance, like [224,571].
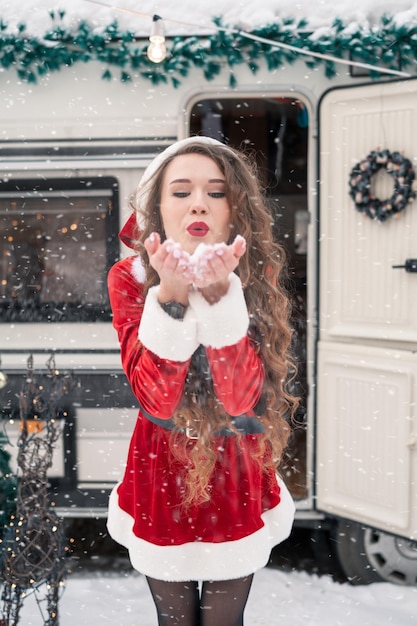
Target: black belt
[244,424]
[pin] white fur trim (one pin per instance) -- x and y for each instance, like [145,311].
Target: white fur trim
[138,270]
[169,338]
[201,560]
[225,322]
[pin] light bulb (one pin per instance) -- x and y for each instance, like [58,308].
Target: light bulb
[156,51]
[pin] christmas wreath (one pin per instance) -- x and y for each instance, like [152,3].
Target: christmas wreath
[401,170]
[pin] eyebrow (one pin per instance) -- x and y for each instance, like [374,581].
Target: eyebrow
[187,180]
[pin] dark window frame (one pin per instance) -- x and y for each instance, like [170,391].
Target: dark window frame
[58,311]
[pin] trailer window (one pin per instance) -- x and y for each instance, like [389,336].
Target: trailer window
[58,238]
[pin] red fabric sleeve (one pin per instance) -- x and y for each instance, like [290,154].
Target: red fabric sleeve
[157,383]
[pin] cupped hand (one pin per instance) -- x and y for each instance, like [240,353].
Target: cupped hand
[213,264]
[172,265]
[207,269]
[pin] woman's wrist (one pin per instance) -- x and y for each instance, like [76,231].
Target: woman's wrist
[213,293]
[171,293]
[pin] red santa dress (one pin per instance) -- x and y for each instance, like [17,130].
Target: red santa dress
[230,536]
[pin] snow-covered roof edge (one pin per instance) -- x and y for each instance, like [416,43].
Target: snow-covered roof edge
[186,17]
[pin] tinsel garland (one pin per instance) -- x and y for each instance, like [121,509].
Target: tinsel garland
[388,44]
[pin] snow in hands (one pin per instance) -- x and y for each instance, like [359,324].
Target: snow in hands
[196,265]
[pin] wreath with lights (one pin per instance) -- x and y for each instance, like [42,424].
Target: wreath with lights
[395,164]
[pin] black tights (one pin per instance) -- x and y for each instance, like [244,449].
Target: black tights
[221,603]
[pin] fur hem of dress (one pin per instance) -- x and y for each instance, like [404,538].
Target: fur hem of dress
[203,560]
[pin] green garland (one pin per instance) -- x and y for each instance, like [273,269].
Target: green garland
[32,57]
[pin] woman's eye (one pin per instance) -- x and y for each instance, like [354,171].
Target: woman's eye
[181,194]
[217,194]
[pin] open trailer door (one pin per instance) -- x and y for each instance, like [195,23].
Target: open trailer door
[366,462]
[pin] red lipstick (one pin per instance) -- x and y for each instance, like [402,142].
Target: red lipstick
[198,229]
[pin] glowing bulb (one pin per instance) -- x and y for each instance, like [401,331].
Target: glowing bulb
[156,50]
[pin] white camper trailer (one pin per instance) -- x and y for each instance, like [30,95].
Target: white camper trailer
[73,148]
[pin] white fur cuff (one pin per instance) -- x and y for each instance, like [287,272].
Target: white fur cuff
[225,322]
[166,337]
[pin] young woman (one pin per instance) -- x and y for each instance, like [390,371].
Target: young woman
[204,336]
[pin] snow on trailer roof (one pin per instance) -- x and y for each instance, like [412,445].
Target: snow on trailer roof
[177,16]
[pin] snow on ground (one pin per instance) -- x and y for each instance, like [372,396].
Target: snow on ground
[246,13]
[277,598]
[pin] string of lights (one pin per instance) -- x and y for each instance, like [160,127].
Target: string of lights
[157,50]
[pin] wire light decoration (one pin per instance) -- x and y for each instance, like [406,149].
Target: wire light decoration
[34,548]
[247,35]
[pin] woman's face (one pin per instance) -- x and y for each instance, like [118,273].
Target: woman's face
[194,208]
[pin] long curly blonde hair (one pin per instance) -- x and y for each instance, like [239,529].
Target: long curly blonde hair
[262,271]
